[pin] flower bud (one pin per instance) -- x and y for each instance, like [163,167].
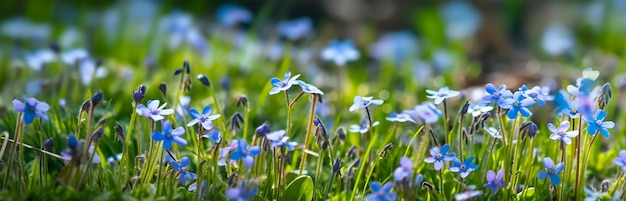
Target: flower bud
[242,101]
[465,108]
[204,80]
[262,130]
[119,132]
[139,94]
[48,144]
[605,96]
[96,98]
[529,129]
[386,150]
[337,167]
[187,67]
[236,121]
[225,82]
[178,71]
[163,89]
[97,134]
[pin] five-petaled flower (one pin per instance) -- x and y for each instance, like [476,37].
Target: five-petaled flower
[562,132]
[404,170]
[495,181]
[31,108]
[551,171]
[536,93]
[381,193]
[519,104]
[285,84]
[181,168]
[438,156]
[360,102]
[309,88]
[245,153]
[340,52]
[278,139]
[597,124]
[153,110]
[496,94]
[463,168]
[621,160]
[441,95]
[168,135]
[205,118]
[478,109]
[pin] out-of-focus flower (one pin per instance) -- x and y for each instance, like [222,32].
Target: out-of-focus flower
[31,108]
[73,56]
[564,106]
[443,93]
[404,170]
[90,69]
[295,29]
[467,195]
[231,14]
[309,88]
[621,160]
[340,52]
[398,46]
[242,192]
[37,59]
[362,127]
[461,20]
[381,193]
[360,102]
[278,139]
[557,40]
[399,117]
[495,181]
[426,112]
[536,93]
[495,133]
[244,153]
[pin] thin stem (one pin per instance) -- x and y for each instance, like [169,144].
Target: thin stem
[441,182]
[529,164]
[308,133]
[161,169]
[318,174]
[199,155]
[578,162]
[460,135]
[18,132]
[288,114]
[445,120]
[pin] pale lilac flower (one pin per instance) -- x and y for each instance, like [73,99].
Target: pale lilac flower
[478,109]
[154,111]
[340,52]
[360,102]
[562,132]
[443,93]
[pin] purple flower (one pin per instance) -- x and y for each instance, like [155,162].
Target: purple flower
[68,154]
[496,94]
[597,124]
[362,127]
[295,29]
[31,108]
[438,156]
[405,169]
[153,110]
[244,153]
[519,104]
[309,88]
[562,132]
[399,117]
[278,139]
[362,102]
[206,119]
[621,160]
[242,192]
[442,94]
[181,168]
[231,14]
[340,52]
[478,109]
[168,135]
[426,112]
[495,181]
[285,84]
[381,193]
[551,171]
[463,168]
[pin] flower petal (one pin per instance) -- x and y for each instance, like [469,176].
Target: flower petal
[548,163]
[18,105]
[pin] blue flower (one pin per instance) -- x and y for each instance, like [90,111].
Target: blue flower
[598,124]
[438,156]
[443,93]
[461,19]
[381,193]
[231,14]
[536,93]
[564,106]
[309,88]
[478,109]
[31,108]
[181,168]
[551,171]
[398,46]
[621,160]
[495,95]
[467,195]
[557,40]
[153,110]
[278,139]
[244,153]
[362,127]
[562,133]
[206,119]
[285,84]
[360,102]
[214,135]
[463,168]
[519,104]
[404,170]
[495,181]
[242,192]
[426,112]
[295,29]
[399,117]
[168,135]
[68,154]
[340,52]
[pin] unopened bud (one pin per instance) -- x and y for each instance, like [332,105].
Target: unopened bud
[242,101]
[204,80]
[262,130]
[48,144]
[163,89]
[465,108]
[97,134]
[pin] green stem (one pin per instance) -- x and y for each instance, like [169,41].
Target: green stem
[308,133]
[445,121]
[18,132]
[125,162]
[578,143]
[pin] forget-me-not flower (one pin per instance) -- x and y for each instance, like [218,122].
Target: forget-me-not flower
[404,170]
[399,117]
[181,168]
[278,139]
[426,112]
[295,29]
[309,88]
[285,84]
[242,192]
[398,46]
[381,193]
[551,171]
[496,95]
[536,93]
[463,168]
[31,108]
[443,93]
[461,19]
[153,110]
[478,109]
[245,153]
[205,118]
[562,132]
[495,133]
[438,156]
[495,181]
[168,135]
[214,135]
[360,102]
[231,14]
[621,160]
[565,106]
[340,52]
[519,104]
[362,127]
[557,40]
[597,124]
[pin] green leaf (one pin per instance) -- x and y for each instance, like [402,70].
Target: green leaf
[300,188]
[529,192]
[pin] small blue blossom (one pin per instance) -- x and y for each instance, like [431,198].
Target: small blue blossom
[168,135]
[495,95]
[340,52]
[244,153]
[399,117]
[181,168]
[381,193]
[463,168]
[285,84]
[519,104]
[398,46]
[362,127]
[595,195]
[231,14]
[242,192]
[426,112]
[621,160]
[68,154]
[31,108]
[438,156]
[205,119]
[461,19]
[495,181]
[214,135]
[278,139]
[551,171]
[419,180]
[562,133]
[558,40]
[360,102]
[598,124]
[153,110]
[536,93]
[442,94]
[564,106]
[309,88]
[404,170]
[295,29]
[478,109]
